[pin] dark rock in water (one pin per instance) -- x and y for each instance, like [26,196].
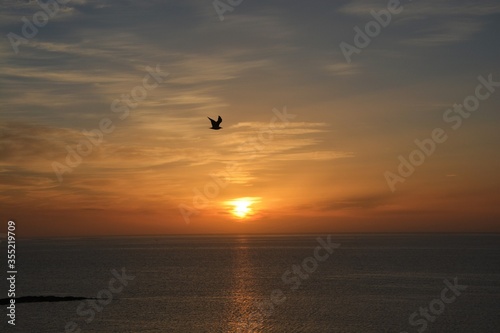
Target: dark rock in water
[38,299]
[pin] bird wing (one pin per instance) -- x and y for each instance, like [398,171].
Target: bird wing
[214,123]
[219,120]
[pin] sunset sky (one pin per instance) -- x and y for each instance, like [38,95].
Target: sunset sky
[308,137]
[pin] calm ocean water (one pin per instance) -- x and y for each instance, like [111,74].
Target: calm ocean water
[371,283]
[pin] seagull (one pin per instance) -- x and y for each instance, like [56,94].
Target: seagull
[215,124]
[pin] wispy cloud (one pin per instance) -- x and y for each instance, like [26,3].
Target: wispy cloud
[343,69]
[439,22]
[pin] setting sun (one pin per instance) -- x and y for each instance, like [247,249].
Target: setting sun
[241,207]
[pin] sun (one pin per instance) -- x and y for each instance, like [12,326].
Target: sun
[241,207]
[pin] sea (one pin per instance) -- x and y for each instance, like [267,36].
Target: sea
[357,283]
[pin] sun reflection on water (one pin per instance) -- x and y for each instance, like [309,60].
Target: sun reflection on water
[243,315]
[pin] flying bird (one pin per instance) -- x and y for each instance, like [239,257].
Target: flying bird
[215,124]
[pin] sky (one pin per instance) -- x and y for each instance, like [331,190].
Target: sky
[104,129]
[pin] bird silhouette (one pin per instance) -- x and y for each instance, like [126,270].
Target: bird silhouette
[215,124]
